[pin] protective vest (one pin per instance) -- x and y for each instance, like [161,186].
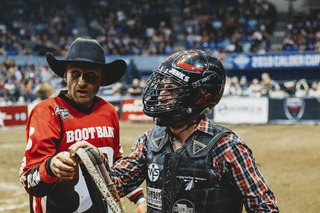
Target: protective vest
[182,180]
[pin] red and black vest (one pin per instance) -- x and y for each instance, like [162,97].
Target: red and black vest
[183,180]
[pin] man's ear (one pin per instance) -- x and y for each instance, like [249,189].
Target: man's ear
[65,77]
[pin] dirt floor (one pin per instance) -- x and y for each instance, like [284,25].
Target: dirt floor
[287,155]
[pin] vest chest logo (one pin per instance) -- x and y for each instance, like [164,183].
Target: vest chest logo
[153,172]
[183,206]
[190,181]
[62,112]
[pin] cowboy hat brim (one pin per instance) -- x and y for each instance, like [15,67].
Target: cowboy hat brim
[113,71]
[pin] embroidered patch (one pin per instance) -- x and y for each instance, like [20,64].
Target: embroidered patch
[197,147]
[154,197]
[183,206]
[157,141]
[153,172]
[62,112]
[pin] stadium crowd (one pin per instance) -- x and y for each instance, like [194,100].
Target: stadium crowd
[136,28]
[303,31]
[127,27]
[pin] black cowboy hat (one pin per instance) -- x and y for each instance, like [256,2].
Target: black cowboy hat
[88,51]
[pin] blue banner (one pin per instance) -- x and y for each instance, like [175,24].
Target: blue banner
[307,60]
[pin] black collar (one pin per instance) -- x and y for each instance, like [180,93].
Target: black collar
[77,106]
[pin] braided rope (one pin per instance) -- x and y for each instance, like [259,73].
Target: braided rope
[101,178]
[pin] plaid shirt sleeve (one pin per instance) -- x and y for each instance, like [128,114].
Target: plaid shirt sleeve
[129,172]
[235,162]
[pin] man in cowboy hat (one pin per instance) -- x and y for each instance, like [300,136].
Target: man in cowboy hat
[53,179]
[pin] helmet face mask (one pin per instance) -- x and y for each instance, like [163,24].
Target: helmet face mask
[186,85]
[163,97]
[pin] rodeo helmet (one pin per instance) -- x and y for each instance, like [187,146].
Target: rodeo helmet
[198,80]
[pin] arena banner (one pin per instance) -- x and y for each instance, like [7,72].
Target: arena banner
[13,115]
[275,61]
[132,110]
[293,110]
[241,110]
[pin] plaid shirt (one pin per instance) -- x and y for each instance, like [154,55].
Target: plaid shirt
[233,161]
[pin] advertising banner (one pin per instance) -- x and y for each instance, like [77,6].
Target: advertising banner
[132,110]
[13,115]
[293,110]
[276,61]
[237,110]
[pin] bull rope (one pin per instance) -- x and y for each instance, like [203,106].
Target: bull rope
[98,172]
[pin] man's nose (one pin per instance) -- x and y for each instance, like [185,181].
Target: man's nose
[81,81]
[163,94]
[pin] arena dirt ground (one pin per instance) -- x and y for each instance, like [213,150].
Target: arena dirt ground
[288,157]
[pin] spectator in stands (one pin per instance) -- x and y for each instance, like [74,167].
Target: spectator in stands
[21,101]
[44,90]
[3,94]
[26,90]
[227,86]
[289,88]
[302,88]
[314,90]
[244,84]
[269,86]
[117,89]
[3,70]
[135,90]
[235,88]
[7,63]
[255,88]
[131,73]
[266,84]
[10,90]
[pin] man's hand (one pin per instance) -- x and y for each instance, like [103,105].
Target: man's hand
[81,144]
[142,206]
[63,166]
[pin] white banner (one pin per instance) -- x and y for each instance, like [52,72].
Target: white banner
[236,110]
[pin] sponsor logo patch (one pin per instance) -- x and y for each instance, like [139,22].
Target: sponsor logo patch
[153,172]
[183,206]
[62,112]
[154,197]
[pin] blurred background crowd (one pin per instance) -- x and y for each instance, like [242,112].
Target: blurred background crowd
[149,27]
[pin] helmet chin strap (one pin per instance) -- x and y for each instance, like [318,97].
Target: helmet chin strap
[195,118]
